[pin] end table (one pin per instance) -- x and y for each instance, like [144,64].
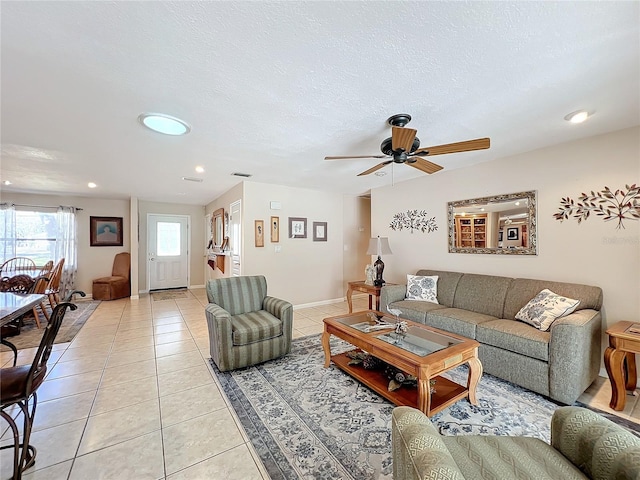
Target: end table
[620,361]
[370,290]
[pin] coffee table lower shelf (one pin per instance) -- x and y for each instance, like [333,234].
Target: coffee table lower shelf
[447,392]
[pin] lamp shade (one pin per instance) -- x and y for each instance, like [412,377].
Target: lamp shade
[379,246]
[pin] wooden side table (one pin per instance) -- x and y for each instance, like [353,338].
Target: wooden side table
[620,361]
[370,290]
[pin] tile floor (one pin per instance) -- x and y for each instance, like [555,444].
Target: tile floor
[133,397]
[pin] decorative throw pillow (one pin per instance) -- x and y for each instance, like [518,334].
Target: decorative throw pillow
[545,308]
[422,288]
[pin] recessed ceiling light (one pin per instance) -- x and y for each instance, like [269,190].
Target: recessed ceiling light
[199,169]
[578,116]
[91,185]
[6,182]
[161,123]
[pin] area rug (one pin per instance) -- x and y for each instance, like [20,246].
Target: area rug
[30,334]
[308,422]
[169,294]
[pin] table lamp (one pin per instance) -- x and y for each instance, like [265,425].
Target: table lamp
[379,246]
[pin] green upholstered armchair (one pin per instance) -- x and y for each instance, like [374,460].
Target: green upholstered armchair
[246,326]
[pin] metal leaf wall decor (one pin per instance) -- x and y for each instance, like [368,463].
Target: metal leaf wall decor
[413,220]
[610,205]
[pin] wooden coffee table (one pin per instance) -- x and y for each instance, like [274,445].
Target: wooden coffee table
[424,352]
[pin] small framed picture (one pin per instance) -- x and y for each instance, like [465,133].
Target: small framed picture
[105,231]
[297,227]
[275,229]
[319,231]
[259,233]
[512,233]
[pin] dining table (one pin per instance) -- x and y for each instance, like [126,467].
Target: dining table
[12,305]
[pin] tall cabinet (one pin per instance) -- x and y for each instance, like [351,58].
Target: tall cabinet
[471,231]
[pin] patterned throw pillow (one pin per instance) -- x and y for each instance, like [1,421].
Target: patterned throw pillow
[545,308]
[422,288]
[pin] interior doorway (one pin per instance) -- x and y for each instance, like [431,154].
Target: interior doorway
[167,251]
[235,237]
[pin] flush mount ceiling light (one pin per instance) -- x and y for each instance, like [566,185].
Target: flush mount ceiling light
[161,123]
[199,169]
[578,116]
[6,182]
[91,185]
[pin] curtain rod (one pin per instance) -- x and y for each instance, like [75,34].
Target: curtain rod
[39,206]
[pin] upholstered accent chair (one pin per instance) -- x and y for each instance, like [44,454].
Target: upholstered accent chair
[118,285]
[246,326]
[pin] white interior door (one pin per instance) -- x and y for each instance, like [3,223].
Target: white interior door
[235,238]
[167,251]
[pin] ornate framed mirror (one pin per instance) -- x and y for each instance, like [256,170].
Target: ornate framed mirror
[501,224]
[218,227]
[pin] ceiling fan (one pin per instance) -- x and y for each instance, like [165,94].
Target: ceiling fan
[404,147]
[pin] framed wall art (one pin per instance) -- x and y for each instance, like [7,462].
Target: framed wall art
[512,233]
[275,229]
[297,227]
[105,231]
[259,233]
[319,231]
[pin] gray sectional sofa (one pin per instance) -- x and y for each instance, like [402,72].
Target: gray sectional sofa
[560,363]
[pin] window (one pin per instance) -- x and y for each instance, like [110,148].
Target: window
[33,236]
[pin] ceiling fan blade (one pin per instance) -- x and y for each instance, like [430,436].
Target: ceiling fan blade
[469,145]
[425,165]
[375,169]
[402,138]
[357,156]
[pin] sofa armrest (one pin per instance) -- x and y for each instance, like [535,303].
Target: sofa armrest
[390,294]
[574,354]
[280,309]
[418,450]
[597,446]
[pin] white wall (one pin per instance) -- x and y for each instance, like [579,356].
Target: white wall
[593,252]
[196,247]
[93,262]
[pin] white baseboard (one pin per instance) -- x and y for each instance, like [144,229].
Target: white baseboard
[315,304]
[194,287]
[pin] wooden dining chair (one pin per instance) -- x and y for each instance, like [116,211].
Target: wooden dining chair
[40,287]
[46,269]
[18,265]
[53,289]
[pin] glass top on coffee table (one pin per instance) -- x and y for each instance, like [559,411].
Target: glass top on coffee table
[417,340]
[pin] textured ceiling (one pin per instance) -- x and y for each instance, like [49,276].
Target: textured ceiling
[270,88]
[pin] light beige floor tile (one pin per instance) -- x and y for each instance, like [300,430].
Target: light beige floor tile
[175,347]
[120,425]
[311,330]
[183,380]
[84,352]
[130,356]
[167,320]
[169,327]
[89,329]
[55,445]
[131,325]
[139,458]
[304,322]
[132,343]
[63,410]
[65,386]
[125,394]
[127,373]
[197,439]
[54,472]
[187,404]
[179,336]
[144,331]
[179,361]
[74,367]
[234,464]
[167,312]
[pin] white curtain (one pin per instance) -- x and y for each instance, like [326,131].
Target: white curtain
[67,247]
[7,231]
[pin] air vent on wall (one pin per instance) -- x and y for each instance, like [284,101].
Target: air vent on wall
[192,179]
[238,174]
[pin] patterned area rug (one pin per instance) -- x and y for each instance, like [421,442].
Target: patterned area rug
[308,422]
[169,294]
[30,334]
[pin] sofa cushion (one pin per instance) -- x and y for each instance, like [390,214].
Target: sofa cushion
[516,337]
[543,309]
[255,327]
[422,288]
[447,284]
[522,290]
[482,294]
[415,310]
[454,320]
[509,457]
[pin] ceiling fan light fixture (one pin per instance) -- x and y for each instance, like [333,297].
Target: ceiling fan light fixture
[165,124]
[578,116]
[380,174]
